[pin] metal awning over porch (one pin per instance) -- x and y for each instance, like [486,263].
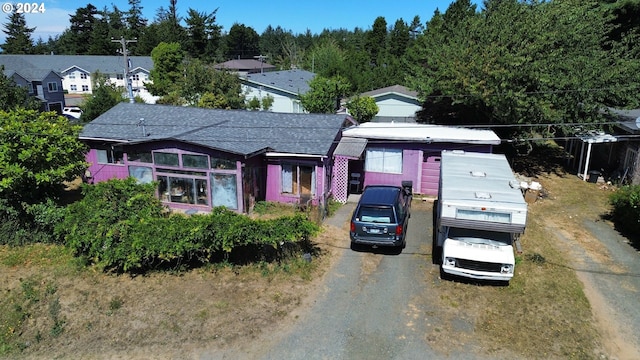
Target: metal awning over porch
[588,140]
[350,147]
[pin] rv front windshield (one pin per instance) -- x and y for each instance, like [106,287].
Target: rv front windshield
[480,236]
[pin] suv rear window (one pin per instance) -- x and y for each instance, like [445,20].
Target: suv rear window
[376,214]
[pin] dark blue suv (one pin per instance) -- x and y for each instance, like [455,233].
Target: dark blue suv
[381,216]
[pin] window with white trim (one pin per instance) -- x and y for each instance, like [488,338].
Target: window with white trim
[85,88]
[73,87]
[83,76]
[383,160]
[52,86]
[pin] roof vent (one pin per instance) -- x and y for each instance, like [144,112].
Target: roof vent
[482,195]
[478,174]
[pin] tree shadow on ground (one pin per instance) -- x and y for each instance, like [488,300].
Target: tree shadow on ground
[544,158]
[631,234]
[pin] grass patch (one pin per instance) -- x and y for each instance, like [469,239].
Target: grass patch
[268,209]
[57,258]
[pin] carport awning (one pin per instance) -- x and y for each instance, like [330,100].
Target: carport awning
[350,147]
[590,139]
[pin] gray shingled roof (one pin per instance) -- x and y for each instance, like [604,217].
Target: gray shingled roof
[235,131]
[18,65]
[398,89]
[106,64]
[245,65]
[292,81]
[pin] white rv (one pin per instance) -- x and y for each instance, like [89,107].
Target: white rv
[481,212]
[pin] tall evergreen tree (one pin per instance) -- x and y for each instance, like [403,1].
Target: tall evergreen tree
[101,36]
[77,39]
[18,40]
[242,42]
[136,24]
[203,35]
[377,39]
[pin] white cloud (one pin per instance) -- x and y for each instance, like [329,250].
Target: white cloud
[50,23]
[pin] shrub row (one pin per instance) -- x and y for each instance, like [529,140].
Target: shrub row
[626,207]
[120,225]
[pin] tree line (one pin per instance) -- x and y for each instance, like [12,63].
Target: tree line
[508,62]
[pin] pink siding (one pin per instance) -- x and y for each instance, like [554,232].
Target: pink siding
[104,172]
[410,166]
[274,185]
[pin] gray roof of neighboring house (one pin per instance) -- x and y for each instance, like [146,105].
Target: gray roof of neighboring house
[250,65]
[106,64]
[235,131]
[628,119]
[397,89]
[291,81]
[16,64]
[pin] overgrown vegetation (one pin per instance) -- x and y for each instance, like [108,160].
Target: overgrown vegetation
[120,225]
[625,212]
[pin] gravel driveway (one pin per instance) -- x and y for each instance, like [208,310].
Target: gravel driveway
[612,287]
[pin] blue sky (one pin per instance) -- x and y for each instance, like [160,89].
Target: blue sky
[295,15]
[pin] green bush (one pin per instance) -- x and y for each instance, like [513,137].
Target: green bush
[626,207]
[22,224]
[120,225]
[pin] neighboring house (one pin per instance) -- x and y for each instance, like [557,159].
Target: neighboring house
[629,143]
[245,66]
[285,87]
[203,158]
[390,153]
[395,103]
[42,83]
[76,71]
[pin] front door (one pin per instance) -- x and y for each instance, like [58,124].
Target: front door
[430,174]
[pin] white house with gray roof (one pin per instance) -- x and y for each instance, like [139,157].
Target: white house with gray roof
[285,87]
[77,70]
[395,103]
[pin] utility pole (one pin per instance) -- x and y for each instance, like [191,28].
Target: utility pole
[261,58]
[127,65]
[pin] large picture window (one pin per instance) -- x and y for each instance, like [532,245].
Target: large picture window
[384,160]
[143,174]
[298,179]
[224,190]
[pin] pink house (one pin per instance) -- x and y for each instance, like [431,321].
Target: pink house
[378,153]
[203,158]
